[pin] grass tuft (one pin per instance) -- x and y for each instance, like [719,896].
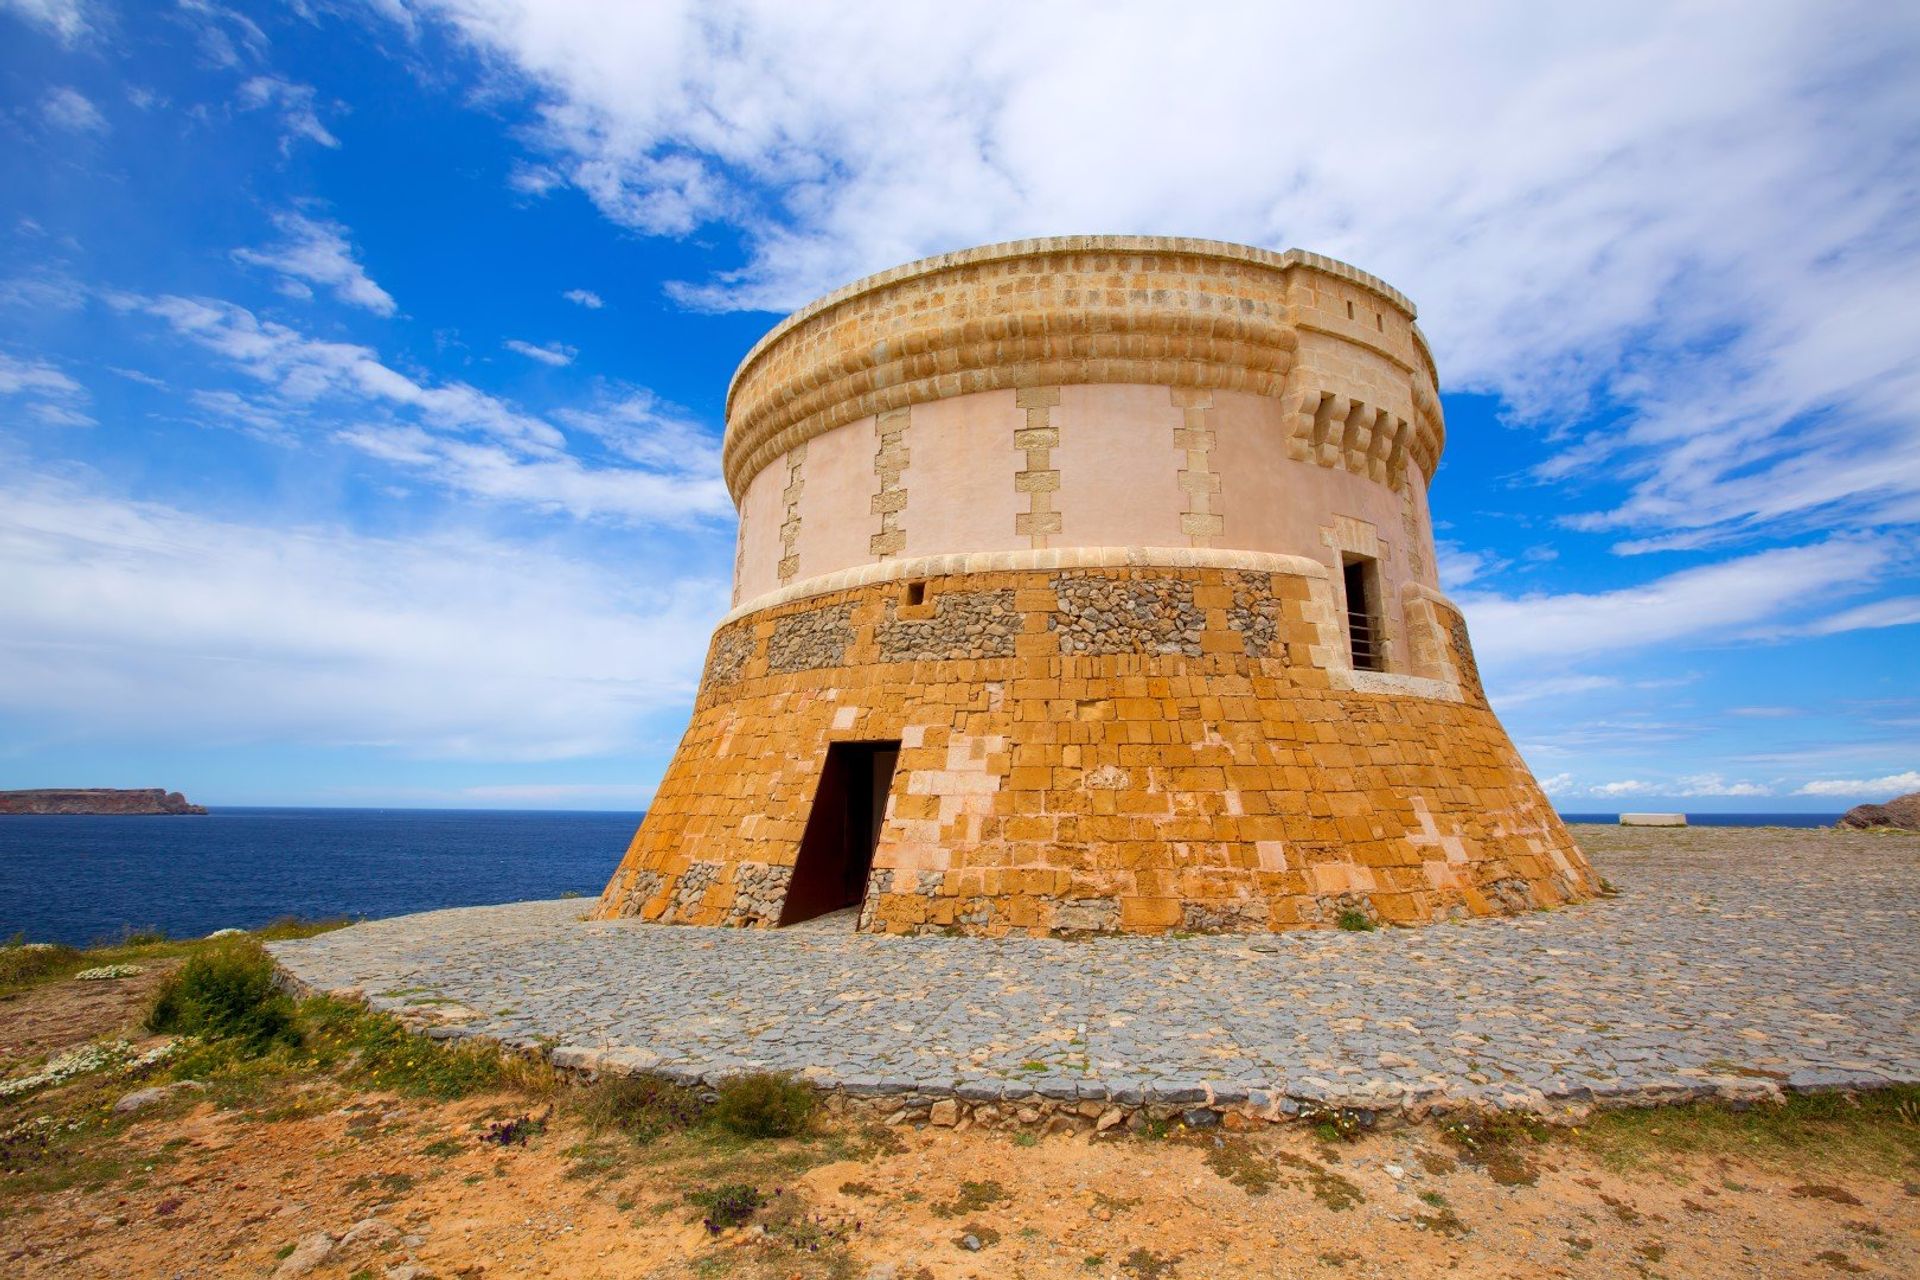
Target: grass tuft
[764,1104]
[642,1107]
[1877,1130]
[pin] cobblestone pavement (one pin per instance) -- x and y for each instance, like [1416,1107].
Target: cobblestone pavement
[1732,962]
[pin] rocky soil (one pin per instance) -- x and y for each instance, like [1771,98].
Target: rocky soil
[297,1177]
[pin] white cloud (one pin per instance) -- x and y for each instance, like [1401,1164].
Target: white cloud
[1557,688]
[295,103]
[646,466]
[125,619]
[227,37]
[1629,787]
[585,297]
[1707,219]
[66,20]
[318,251]
[1713,604]
[1558,784]
[73,111]
[1712,784]
[1894,784]
[48,394]
[1895,611]
[556,354]
[1458,566]
[546,793]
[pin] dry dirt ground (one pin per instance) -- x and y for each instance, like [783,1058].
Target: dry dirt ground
[228,1182]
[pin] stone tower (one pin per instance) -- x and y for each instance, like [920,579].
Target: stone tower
[1087,585]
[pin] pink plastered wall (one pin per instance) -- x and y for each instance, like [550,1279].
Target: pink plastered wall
[959,481]
[761,513]
[836,505]
[1119,469]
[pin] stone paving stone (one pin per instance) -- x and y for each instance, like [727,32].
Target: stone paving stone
[1732,962]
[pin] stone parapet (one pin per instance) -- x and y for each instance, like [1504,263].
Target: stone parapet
[1074,310]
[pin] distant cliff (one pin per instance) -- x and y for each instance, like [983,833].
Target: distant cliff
[1901,813]
[96,800]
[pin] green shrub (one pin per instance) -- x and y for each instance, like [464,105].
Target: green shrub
[1354,921]
[642,1107]
[225,992]
[764,1104]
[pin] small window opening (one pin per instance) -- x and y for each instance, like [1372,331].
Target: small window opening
[1362,577]
[1380,321]
[1349,311]
[916,593]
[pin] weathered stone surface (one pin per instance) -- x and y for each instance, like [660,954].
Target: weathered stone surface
[731,649]
[810,640]
[1733,963]
[965,624]
[1902,812]
[308,1254]
[141,1099]
[1105,615]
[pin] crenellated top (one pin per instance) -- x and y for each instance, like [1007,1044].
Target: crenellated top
[1082,310]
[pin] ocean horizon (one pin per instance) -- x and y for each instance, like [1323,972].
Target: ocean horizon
[84,879]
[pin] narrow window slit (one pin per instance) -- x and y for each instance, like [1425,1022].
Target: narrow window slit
[1362,578]
[916,593]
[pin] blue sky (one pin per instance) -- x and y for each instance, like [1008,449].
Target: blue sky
[362,365]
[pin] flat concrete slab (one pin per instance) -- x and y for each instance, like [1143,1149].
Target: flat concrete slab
[1733,962]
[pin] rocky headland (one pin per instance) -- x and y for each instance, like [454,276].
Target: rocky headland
[1901,813]
[77,800]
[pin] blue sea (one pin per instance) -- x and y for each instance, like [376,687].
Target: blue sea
[88,879]
[85,879]
[1724,819]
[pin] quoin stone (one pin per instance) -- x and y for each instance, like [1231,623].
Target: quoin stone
[1087,585]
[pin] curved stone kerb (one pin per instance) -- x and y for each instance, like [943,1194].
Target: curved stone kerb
[1066,310]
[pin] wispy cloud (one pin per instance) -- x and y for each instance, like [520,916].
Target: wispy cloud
[73,111]
[1713,604]
[126,618]
[1894,784]
[68,21]
[1626,787]
[48,394]
[585,297]
[1713,784]
[640,471]
[557,354]
[318,252]
[295,104]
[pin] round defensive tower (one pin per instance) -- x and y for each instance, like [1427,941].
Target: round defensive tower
[1087,585]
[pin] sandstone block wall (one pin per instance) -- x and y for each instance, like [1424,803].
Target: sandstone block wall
[1100,748]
